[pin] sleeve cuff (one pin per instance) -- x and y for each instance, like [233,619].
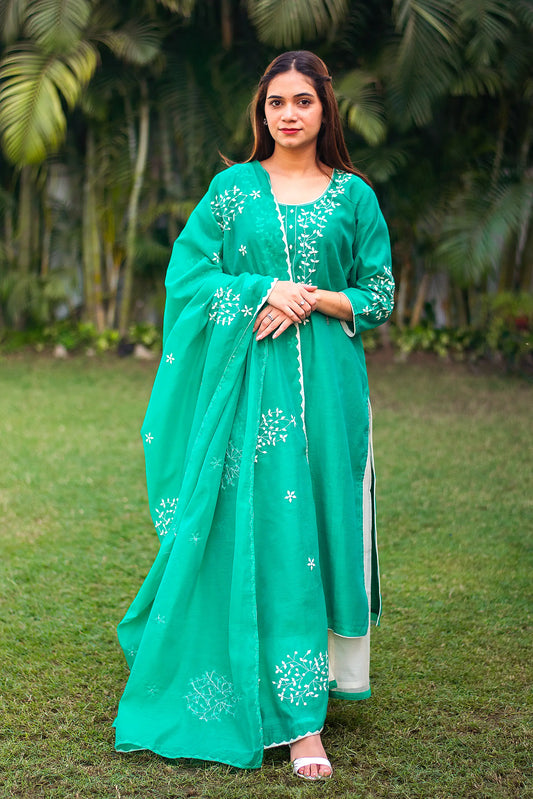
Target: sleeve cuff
[350,326]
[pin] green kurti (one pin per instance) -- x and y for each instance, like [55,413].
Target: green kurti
[260,484]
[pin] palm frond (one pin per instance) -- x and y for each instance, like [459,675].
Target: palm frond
[425,59]
[524,11]
[33,297]
[178,210]
[191,101]
[12,14]
[478,81]
[286,23]
[183,7]
[56,25]
[32,87]
[380,163]
[136,42]
[150,254]
[435,14]
[477,227]
[488,25]
[516,62]
[362,106]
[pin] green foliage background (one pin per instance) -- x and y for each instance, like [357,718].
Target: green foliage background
[113,114]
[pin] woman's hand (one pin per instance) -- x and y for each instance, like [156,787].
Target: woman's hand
[271,320]
[295,300]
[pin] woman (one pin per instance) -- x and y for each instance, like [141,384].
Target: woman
[258,449]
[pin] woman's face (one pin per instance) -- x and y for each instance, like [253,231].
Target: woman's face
[293,111]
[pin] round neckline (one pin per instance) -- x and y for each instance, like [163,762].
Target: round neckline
[298,205]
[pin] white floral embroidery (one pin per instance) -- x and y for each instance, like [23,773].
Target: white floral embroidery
[382,292]
[227,206]
[311,224]
[152,690]
[247,311]
[170,358]
[160,619]
[232,466]
[301,677]
[225,307]
[242,249]
[194,538]
[290,496]
[165,512]
[256,194]
[311,563]
[273,427]
[216,258]
[148,437]
[211,697]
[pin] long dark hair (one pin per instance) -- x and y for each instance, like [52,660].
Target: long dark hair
[331,148]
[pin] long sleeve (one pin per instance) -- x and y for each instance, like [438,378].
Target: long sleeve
[371,284]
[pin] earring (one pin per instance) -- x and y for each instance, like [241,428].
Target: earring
[265,122]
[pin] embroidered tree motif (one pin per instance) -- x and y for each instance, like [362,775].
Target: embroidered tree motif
[225,307]
[232,466]
[301,677]
[164,515]
[227,206]
[382,293]
[211,697]
[312,223]
[273,428]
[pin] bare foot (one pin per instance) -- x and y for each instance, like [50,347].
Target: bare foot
[311,746]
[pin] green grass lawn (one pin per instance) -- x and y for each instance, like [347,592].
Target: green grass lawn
[451,709]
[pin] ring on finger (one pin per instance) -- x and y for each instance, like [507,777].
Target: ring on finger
[302,303]
[270,317]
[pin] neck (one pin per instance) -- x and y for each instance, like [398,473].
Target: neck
[294,162]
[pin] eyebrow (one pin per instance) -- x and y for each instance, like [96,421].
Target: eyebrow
[279,96]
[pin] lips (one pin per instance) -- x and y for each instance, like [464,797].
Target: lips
[290,130]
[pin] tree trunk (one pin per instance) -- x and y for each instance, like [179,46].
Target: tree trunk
[418,307]
[166,168]
[521,244]
[500,143]
[133,207]
[9,234]
[92,257]
[46,244]
[523,232]
[24,231]
[404,284]
[226,24]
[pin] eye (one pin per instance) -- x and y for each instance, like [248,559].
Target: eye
[274,103]
[305,102]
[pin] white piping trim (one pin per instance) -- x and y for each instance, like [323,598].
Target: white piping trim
[347,637]
[298,340]
[345,324]
[267,295]
[293,740]
[374,520]
[302,390]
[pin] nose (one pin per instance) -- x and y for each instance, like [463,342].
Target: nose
[289,112]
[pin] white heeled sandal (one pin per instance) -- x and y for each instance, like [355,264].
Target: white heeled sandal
[300,762]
